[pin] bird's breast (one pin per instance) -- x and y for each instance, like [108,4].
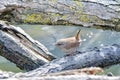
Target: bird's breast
[69,51]
[72,45]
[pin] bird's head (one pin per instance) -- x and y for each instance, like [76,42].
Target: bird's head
[61,43]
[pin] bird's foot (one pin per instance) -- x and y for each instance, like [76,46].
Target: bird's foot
[69,54]
[78,52]
[66,55]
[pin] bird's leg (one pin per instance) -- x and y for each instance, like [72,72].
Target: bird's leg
[79,52]
[67,55]
[70,54]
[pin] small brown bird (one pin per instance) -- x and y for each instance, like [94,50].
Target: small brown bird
[69,45]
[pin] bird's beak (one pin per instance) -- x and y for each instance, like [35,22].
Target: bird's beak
[55,44]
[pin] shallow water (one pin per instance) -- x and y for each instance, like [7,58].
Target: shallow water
[48,35]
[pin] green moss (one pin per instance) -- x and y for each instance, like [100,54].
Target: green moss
[72,7]
[64,17]
[114,20]
[98,27]
[36,18]
[97,20]
[55,15]
[84,18]
[54,1]
[78,3]
[46,21]
[90,19]
[32,18]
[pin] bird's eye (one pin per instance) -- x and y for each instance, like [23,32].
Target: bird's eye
[60,44]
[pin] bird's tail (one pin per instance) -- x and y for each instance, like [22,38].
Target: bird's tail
[77,36]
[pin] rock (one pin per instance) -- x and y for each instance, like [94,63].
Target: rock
[87,13]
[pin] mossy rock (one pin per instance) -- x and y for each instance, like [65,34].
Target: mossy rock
[37,18]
